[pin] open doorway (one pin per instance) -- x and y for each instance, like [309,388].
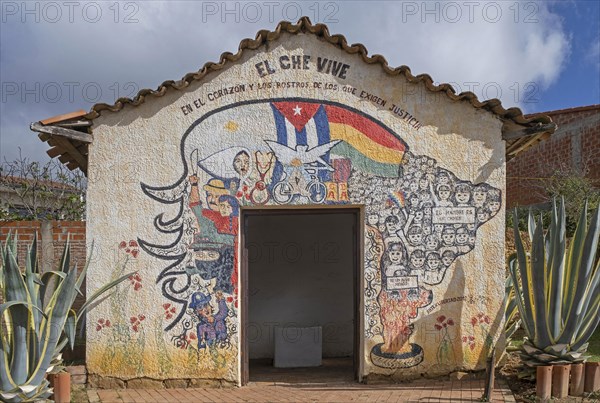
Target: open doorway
[300,287]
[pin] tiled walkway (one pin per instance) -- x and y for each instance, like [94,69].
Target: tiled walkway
[418,391]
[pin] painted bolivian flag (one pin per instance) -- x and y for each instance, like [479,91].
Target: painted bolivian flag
[369,144]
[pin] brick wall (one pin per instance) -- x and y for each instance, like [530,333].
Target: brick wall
[574,146]
[52,237]
[49,250]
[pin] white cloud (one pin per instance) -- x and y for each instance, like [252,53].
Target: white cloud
[593,55]
[170,39]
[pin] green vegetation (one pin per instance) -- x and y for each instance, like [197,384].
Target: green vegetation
[34,191]
[575,189]
[37,320]
[557,288]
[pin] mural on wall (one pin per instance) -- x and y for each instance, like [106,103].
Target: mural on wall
[420,217]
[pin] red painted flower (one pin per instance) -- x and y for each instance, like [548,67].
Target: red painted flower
[169,310]
[136,322]
[443,322]
[102,323]
[131,247]
[480,318]
[469,341]
[136,281]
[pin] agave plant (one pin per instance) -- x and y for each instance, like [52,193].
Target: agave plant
[557,288]
[37,320]
[512,321]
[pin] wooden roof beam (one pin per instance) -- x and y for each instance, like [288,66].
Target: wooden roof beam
[62,132]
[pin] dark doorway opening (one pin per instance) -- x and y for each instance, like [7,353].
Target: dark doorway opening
[300,295]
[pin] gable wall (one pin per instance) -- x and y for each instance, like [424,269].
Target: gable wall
[142,209]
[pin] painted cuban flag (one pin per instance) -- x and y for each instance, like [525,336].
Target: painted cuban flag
[369,144]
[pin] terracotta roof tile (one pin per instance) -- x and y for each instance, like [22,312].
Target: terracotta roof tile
[512,118]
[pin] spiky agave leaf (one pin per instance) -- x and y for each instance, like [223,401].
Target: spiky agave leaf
[558,295]
[36,330]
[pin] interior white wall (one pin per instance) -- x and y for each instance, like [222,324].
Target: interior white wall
[301,274]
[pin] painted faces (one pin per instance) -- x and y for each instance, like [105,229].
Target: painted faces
[433,261]
[483,215]
[207,255]
[373,219]
[241,164]
[417,259]
[225,208]
[463,196]
[204,311]
[479,196]
[494,206]
[448,236]
[444,192]
[447,258]
[431,242]
[396,253]
[391,224]
[212,199]
[461,236]
[415,236]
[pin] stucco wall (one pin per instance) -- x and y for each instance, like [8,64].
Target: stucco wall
[374,136]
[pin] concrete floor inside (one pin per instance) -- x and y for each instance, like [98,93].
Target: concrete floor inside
[333,370]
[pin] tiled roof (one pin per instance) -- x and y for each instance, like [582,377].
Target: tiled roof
[519,131]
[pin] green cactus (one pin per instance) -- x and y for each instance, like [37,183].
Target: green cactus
[33,331]
[557,288]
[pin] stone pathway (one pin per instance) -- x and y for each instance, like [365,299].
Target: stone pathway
[418,391]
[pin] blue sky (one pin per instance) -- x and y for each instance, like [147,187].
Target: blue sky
[57,58]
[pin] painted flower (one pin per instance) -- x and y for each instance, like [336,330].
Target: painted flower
[169,310]
[102,323]
[136,322]
[481,319]
[131,247]
[136,281]
[443,322]
[469,341]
